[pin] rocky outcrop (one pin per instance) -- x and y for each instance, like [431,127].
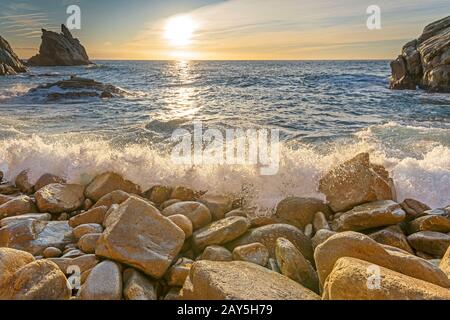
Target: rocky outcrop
[60,49]
[425,62]
[9,61]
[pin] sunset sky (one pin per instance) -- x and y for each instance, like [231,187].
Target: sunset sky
[223,29]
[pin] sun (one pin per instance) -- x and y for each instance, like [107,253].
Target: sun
[179,30]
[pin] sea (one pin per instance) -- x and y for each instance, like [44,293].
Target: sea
[326,112]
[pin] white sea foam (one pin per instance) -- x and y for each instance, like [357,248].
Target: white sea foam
[426,178]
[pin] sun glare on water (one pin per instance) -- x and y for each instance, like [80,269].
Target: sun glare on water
[179,30]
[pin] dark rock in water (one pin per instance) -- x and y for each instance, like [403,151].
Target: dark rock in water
[75,88]
[60,50]
[425,62]
[9,61]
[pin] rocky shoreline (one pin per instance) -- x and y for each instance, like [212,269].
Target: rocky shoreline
[111,240]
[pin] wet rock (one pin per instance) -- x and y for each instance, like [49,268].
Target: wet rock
[47,179]
[183,223]
[413,208]
[34,236]
[213,280]
[114,197]
[9,62]
[12,260]
[392,236]
[300,211]
[355,182]
[424,62]
[17,206]
[216,253]
[349,281]
[108,182]
[321,236]
[430,223]
[59,198]
[83,229]
[95,215]
[183,194]
[158,194]
[137,286]
[141,237]
[88,242]
[293,265]
[59,49]
[83,262]
[255,253]
[22,182]
[220,232]
[369,215]
[217,204]
[444,264]
[52,252]
[236,213]
[320,222]
[30,216]
[197,212]
[356,245]
[434,243]
[8,188]
[268,235]
[178,273]
[103,283]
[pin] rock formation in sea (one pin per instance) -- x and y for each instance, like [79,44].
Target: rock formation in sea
[9,61]
[425,62]
[60,49]
[172,242]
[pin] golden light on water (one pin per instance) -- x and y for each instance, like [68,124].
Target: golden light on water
[179,30]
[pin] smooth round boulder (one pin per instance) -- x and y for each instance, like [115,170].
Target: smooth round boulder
[216,253]
[103,283]
[254,252]
[52,252]
[183,222]
[59,198]
[197,212]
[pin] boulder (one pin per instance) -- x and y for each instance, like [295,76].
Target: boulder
[83,229]
[220,232]
[38,280]
[320,222]
[95,215]
[355,182]
[413,208]
[321,236]
[444,264]
[254,252]
[8,188]
[9,62]
[183,223]
[29,216]
[23,182]
[59,198]
[356,245]
[369,215]
[431,242]
[268,235]
[12,260]
[84,262]
[34,236]
[217,204]
[88,242]
[430,223]
[114,197]
[139,236]
[47,179]
[214,280]
[299,211]
[17,206]
[183,194]
[197,212]
[351,279]
[158,194]
[392,236]
[425,62]
[178,272]
[59,49]
[216,253]
[136,286]
[108,182]
[103,283]
[293,265]
[52,252]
